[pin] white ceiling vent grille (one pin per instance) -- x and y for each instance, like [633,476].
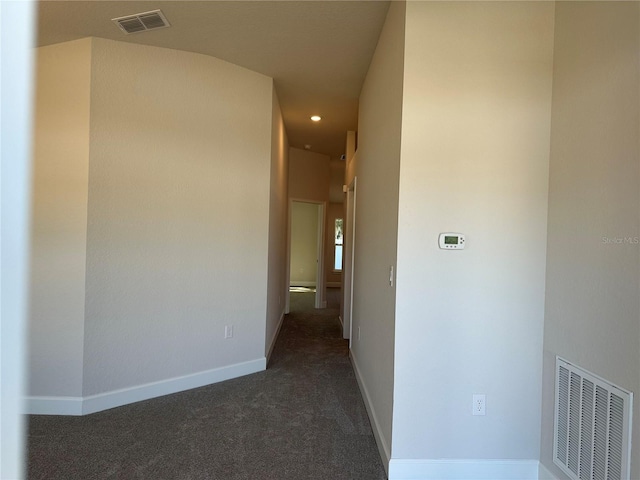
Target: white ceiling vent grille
[141,22]
[592,434]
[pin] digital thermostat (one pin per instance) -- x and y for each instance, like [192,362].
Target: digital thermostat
[451,241]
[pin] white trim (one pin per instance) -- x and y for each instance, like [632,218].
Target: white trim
[348,256]
[320,277]
[17,124]
[409,469]
[125,396]
[383,446]
[275,337]
[544,473]
[53,405]
[287,284]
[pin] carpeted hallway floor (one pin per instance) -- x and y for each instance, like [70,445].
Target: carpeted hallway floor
[301,419]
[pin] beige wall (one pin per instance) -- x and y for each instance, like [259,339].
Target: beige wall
[592,314]
[59,218]
[337,167]
[351,158]
[309,179]
[304,244]
[278,216]
[178,215]
[309,175]
[475,147]
[166,187]
[376,225]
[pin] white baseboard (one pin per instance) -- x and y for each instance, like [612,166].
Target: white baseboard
[383,446]
[544,473]
[125,396]
[275,337]
[405,469]
[53,406]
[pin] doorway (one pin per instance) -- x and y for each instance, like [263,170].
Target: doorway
[306,249]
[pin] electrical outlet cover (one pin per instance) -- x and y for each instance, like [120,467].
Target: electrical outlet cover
[479,404]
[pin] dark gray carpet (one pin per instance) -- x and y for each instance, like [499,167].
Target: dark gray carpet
[302,418]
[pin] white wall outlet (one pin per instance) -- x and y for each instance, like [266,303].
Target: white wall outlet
[358,333]
[228,331]
[479,404]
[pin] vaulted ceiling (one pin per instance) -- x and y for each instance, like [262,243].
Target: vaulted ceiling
[317,52]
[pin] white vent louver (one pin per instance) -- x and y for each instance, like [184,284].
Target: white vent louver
[141,22]
[592,434]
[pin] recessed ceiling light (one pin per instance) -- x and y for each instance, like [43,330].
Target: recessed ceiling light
[316,118]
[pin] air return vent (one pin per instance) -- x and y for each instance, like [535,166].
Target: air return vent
[141,22]
[592,435]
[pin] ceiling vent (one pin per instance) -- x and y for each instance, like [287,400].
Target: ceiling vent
[141,22]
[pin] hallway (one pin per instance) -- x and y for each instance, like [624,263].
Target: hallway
[301,419]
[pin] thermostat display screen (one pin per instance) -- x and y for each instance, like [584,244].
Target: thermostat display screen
[451,241]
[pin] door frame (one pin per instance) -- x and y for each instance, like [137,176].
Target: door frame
[320,301]
[348,261]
